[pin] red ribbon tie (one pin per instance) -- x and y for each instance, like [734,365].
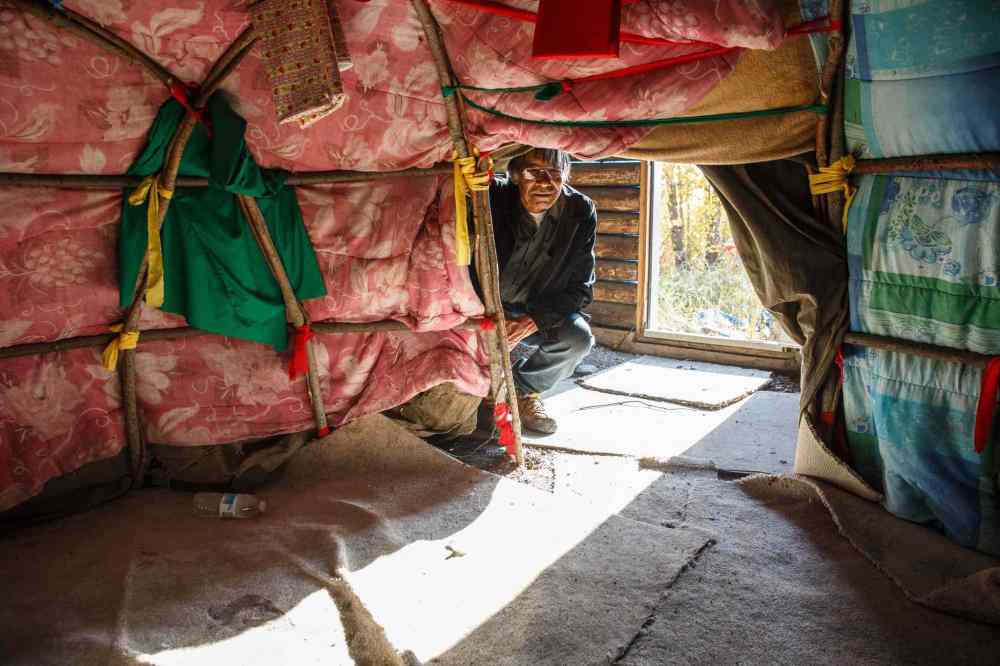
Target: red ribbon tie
[182,94]
[987,403]
[839,360]
[299,365]
[505,424]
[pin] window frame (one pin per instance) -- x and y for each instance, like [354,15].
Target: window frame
[649,210]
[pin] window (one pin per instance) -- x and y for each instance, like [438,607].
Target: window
[696,288]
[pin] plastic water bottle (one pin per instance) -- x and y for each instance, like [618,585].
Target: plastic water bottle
[228,505]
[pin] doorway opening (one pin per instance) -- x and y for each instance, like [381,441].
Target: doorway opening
[697,289]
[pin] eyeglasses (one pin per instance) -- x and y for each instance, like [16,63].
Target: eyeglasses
[537,173]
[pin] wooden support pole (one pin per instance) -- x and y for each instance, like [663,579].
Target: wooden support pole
[138,451]
[295,315]
[157,334]
[67,19]
[828,83]
[114,182]
[921,349]
[258,226]
[135,440]
[435,43]
[486,254]
[167,180]
[836,200]
[224,66]
[953,162]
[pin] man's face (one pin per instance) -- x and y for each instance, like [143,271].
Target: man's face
[540,184]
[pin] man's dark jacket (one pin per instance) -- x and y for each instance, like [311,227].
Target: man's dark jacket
[568,284]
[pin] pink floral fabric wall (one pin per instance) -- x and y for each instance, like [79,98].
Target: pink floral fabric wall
[386,249]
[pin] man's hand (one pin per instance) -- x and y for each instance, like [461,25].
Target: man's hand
[519,329]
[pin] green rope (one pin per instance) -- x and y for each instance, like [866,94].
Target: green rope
[448,91]
[738,115]
[543,91]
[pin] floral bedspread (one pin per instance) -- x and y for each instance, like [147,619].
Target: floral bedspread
[923,78]
[386,250]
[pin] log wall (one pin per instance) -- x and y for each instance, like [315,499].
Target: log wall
[614,187]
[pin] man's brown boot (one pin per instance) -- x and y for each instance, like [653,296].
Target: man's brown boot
[533,416]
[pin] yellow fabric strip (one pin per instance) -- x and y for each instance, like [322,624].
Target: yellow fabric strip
[848,198]
[834,178]
[462,250]
[151,189]
[129,340]
[466,179]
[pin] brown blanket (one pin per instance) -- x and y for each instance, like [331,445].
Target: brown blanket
[786,76]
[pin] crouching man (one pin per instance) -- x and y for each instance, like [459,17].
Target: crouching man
[545,233]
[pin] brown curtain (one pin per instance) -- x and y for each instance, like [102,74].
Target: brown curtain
[796,262]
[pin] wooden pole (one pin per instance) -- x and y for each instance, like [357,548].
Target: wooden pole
[224,66]
[953,162]
[486,264]
[921,349]
[836,201]
[293,309]
[828,78]
[158,334]
[94,32]
[488,260]
[113,182]
[258,226]
[440,57]
[138,451]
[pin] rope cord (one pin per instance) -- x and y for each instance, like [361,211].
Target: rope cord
[684,120]
[835,178]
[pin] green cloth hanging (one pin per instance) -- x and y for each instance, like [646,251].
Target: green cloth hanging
[214,272]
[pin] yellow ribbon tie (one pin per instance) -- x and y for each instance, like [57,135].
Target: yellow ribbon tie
[127,340]
[151,189]
[467,179]
[834,178]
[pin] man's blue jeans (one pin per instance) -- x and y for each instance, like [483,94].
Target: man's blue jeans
[556,359]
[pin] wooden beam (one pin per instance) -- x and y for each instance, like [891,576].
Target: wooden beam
[95,33]
[622,198]
[605,173]
[617,223]
[613,269]
[115,182]
[645,261]
[616,292]
[617,247]
[921,349]
[956,162]
[487,268]
[101,340]
[624,340]
[613,315]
